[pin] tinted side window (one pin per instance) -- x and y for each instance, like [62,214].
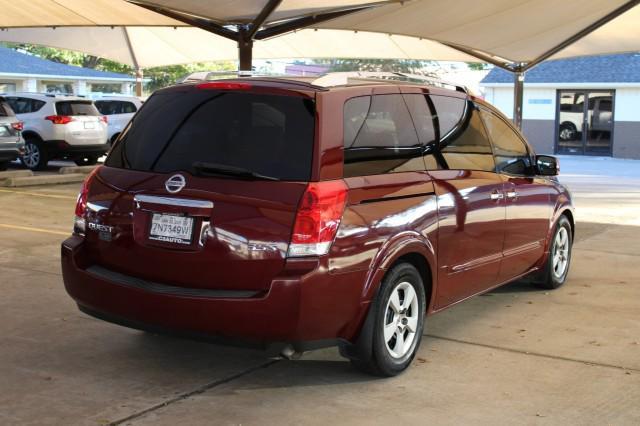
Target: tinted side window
[24,105]
[127,107]
[466,146]
[424,121]
[379,136]
[510,151]
[105,107]
[450,112]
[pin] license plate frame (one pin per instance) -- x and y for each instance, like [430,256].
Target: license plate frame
[171,228]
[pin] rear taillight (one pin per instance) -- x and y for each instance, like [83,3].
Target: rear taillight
[59,119]
[19,126]
[318,218]
[79,224]
[104,119]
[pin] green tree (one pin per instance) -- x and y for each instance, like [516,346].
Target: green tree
[477,66]
[158,77]
[375,65]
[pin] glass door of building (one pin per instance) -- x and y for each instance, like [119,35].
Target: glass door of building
[585,122]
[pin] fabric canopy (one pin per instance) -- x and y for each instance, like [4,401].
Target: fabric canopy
[146,47]
[507,31]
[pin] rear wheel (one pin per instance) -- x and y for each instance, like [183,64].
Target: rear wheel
[399,320]
[35,155]
[555,271]
[4,165]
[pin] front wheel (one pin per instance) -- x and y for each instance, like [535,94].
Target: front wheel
[556,268]
[399,312]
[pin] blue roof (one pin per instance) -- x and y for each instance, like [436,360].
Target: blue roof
[623,68]
[20,63]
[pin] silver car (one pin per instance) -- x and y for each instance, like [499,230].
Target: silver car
[11,142]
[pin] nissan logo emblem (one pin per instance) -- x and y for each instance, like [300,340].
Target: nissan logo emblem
[175,183]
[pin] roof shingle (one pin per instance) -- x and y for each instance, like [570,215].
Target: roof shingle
[622,68]
[20,63]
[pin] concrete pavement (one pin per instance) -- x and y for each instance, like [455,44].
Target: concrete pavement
[514,356]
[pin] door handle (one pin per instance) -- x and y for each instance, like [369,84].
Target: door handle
[496,195]
[512,194]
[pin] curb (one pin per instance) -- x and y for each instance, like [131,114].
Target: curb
[19,181]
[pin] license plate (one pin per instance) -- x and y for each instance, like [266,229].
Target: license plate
[89,125]
[171,228]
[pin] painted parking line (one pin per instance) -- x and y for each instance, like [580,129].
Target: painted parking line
[30,229]
[37,194]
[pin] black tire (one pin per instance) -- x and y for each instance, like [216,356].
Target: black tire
[567,131]
[36,156]
[4,165]
[89,160]
[382,362]
[549,277]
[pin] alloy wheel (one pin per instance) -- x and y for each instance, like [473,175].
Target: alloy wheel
[401,320]
[560,253]
[31,156]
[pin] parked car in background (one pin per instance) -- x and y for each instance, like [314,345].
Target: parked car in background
[59,127]
[11,142]
[119,109]
[295,214]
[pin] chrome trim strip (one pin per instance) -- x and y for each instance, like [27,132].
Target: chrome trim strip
[170,201]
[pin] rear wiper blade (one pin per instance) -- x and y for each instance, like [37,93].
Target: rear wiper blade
[222,169]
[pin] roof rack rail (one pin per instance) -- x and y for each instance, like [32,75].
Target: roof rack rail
[343,78]
[214,75]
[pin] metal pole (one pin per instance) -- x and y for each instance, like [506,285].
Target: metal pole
[518,98]
[139,76]
[245,54]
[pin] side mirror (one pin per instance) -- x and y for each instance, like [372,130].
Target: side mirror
[547,165]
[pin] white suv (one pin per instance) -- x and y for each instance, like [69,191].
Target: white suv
[120,109]
[59,126]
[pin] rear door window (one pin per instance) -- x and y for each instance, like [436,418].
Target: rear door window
[464,143]
[271,135]
[21,105]
[115,107]
[76,108]
[379,136]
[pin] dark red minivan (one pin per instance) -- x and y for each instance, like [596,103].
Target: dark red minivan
[296,214]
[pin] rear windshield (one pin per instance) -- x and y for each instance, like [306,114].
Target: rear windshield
[270,135]
[76,108]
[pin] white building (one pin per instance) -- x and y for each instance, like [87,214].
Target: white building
[582,106]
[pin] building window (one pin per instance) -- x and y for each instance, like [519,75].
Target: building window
[7,87]
[57,87]
[106,88]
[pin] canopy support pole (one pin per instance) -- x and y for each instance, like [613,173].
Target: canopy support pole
[245,54]
[518,98]
[139,80]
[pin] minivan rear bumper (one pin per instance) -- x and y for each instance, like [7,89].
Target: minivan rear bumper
[307,309]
